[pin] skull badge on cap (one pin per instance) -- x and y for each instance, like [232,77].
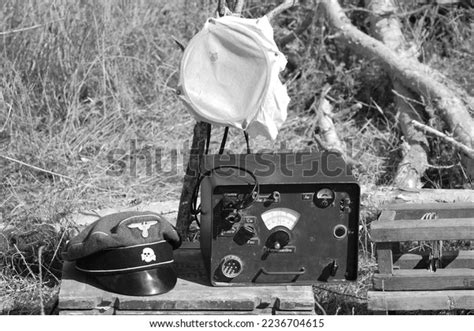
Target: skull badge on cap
[148,255]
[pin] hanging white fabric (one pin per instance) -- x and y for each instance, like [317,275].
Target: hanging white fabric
[229,76]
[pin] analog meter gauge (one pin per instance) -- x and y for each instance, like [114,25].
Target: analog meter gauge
[324,198]
[280,217]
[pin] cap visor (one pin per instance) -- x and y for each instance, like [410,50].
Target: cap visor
[146,282]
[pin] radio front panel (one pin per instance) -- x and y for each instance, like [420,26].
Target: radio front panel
[301,231]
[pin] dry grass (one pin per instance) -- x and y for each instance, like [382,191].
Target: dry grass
[83,81]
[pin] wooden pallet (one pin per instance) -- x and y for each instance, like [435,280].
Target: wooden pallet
[191,295]
[404,281]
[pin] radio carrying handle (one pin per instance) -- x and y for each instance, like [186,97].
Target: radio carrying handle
[263,271]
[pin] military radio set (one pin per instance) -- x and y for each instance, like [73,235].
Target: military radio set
[280,218]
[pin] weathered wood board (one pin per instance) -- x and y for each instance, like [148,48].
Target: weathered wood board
[420,300]
[191,295]
[416,229]
[409,280]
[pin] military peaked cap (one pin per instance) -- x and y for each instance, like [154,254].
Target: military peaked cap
[128,252]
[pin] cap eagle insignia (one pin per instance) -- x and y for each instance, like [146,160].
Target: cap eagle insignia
[143,227]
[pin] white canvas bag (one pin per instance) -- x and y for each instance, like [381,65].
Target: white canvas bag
[229,76]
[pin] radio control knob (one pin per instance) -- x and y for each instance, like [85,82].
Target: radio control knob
[278,239]
[244,234]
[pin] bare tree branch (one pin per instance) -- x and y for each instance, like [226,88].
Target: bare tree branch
[281,8]
[4,33]
[238,7]
[423,127]
[415,159]
[221,8]
[323,126]
[35,167]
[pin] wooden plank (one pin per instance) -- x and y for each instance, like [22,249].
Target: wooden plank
[449,260]
[384,258]
[191,296]
[299,298]
[191,293]
[287,312]
[417,210]
[387,215]
[432,206]
[435,229]
[88,312]
[420,300]
[78,291]
[409,280]
[193,312]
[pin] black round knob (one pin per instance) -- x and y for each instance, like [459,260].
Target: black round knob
[244,234]
[278,239]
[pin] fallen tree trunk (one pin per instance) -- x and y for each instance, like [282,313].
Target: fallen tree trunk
[415,159]
[387,29]
[452,106]
[324,129]
[324,125]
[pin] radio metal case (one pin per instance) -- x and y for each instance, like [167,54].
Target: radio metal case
[302,227]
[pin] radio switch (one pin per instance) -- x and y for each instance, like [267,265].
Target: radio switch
[345,205]
[233,217]
[334,268]
[275,196]
[250,219]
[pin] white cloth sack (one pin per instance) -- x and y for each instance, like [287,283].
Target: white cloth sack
[229,76]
